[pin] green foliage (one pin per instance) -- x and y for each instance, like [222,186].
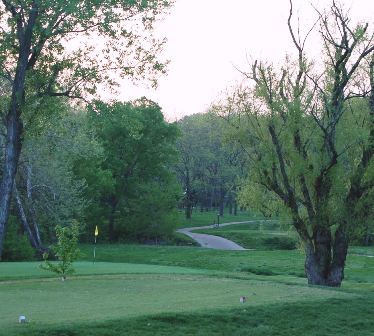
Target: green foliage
[16,246]
[65,250]
[125,30]
[131,188]
[209,167]
[46,177]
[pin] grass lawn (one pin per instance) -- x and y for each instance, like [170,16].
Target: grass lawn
[267,236]
[210,217]
[50,304]
[159,290]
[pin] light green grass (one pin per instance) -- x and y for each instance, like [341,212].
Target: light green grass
[25,270]
[153,290]
[87,300]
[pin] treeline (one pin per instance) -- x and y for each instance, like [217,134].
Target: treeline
[94,163]
[120,167]
[210,165]
[109,165]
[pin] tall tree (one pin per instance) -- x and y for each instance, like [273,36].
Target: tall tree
[132,187]
[50,48]
[208,165]
[310,150]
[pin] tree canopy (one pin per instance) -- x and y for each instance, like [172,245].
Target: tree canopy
[308,134]
[66,49]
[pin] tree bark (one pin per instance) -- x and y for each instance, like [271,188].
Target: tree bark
[222,194]
[325,258]
[14,124]
[188,197]
[33,235]
[32,211]
[12,152]
[24,220]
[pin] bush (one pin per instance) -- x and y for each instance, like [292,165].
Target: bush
[65,250]
[281,243]
[16,245]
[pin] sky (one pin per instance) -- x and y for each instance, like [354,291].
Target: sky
[208,40]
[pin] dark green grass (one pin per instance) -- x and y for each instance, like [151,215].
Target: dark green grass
[129,293]
[334,317]
[255,239]
[256,262]
[264,263]
[85,300]
[210,217]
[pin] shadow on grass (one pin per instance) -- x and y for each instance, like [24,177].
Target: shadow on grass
[331,317]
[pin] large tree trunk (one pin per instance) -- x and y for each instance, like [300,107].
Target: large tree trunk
[12,152]
[32,233]
[13,120]
[188,196]
[24,220]
[325,258]
[222,194]
[32,211]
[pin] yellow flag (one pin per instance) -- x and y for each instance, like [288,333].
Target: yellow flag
[96,231]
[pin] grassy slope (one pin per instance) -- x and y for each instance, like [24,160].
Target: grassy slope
[49,304]
[285,263]
[153,290]
[311,318]
[159,300]
[255,239]
[209,218]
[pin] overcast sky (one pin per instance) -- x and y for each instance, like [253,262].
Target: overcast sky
[207,39]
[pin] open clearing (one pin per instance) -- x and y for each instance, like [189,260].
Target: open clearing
[87,299]
[170,290]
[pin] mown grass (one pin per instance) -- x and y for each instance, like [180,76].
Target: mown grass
[274,263]
[259,235]
[31,270]
[170,290]
[210,217]
[333,317]
[257,262]
[88,299]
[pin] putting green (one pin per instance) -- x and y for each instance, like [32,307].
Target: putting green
[26,270]
[96,298]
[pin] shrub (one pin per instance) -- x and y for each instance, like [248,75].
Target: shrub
[16,245]
[65,250]
[281,242]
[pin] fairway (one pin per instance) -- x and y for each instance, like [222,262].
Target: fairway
[26,270]
[88,299]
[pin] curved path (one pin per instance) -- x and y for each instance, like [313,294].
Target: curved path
[214,242]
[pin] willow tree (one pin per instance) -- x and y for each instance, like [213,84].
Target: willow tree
[309,133]
[54,48]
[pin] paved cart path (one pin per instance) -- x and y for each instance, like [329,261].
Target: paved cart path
[214,242]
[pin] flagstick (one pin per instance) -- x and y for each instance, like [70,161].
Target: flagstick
[94,251]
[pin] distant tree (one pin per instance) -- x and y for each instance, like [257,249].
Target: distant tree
[132,188]
[50,48]
[310,141]
[46,189]
[208,166]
